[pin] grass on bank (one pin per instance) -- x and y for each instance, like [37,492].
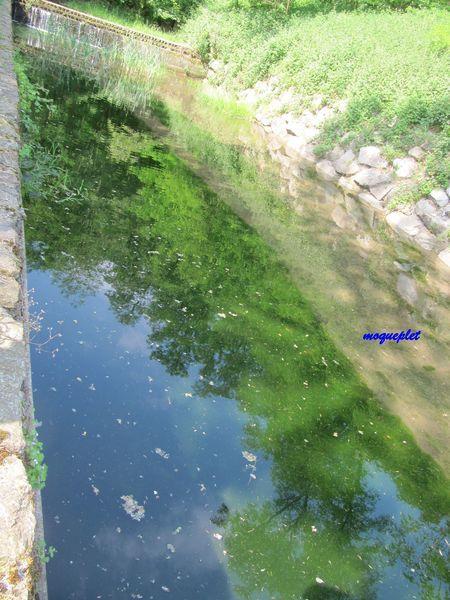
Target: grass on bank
[121,16]
[392,67]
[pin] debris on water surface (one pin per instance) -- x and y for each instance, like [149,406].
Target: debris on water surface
[95,490]
[218,536]
[160,452]
[171,548]
[132,508]
[248,456]
[318,580]
[165,588]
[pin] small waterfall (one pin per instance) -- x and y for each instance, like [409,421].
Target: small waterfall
[123,67]
[39,18]
[47,22]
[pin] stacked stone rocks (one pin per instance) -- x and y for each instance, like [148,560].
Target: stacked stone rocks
[360,174]
[18,501]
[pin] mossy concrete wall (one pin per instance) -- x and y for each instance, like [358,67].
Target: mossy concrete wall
[20,506]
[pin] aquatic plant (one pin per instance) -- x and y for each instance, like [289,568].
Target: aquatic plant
[35,466]
[44,553]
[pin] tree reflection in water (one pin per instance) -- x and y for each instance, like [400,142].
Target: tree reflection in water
[358,510]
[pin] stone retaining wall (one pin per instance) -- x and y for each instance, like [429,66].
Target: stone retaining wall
[20,505]
[360,176]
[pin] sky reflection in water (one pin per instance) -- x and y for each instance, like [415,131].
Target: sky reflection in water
[182,335]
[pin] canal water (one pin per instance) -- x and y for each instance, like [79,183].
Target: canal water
[205,437]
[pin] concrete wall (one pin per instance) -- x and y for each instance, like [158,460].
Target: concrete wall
[20,505]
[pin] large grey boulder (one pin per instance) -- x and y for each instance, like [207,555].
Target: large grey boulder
[381,191]
[371,156]
[426,240]
[424,207]
[335,153]
[440,197]
[294,147]
[436,223]
[412,228]
[410,225]
[326,170]
[405,167]
[434,219]
[371,177]
[348,185]
[346,164]
[370,201]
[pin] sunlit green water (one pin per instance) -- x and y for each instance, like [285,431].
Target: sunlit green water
[183,332]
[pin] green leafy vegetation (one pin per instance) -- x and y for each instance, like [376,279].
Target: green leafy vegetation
[145,15]
[388,59]
[45,553]
[35,466]
[391,68]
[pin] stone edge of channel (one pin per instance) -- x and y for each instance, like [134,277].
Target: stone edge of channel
[21,523]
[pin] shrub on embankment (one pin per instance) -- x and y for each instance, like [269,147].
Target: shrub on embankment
[392,67]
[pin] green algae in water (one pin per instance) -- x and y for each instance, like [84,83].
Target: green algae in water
[332,498]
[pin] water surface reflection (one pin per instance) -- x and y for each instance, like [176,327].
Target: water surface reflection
[193,376]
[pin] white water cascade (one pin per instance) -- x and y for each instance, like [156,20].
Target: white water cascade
[123,67]
[52,24]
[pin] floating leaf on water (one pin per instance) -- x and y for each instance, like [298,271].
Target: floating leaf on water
[160,452]
[132,508]
[248,456]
